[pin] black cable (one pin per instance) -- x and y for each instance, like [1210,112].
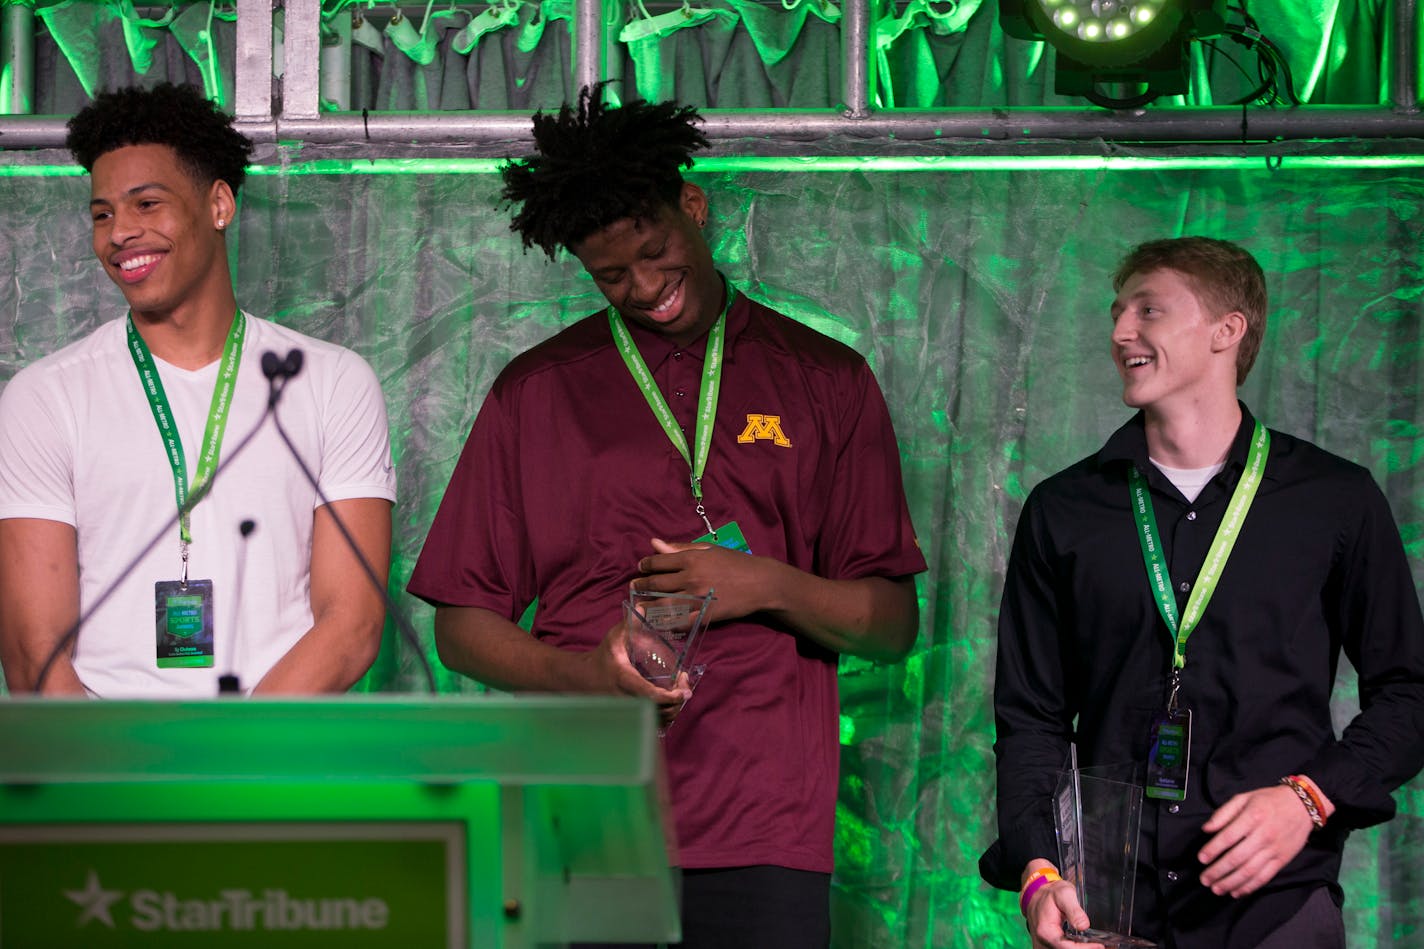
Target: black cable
[1259,91]
[402,624]
[1272,66]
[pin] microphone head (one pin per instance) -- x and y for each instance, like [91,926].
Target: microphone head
[271,364]
[293,365]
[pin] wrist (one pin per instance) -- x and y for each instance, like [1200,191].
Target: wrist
[1036,881]
[1327,806]
[1309,796]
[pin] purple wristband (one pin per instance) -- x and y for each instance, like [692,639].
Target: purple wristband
[1031,889]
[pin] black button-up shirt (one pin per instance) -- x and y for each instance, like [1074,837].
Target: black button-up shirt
[1085,656]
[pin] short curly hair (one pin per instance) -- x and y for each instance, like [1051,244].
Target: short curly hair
[598,164]
[177,116]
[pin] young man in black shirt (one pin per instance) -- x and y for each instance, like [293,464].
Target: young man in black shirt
[1271,557]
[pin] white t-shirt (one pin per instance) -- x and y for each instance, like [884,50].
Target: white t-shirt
[79,445]
[1189,481]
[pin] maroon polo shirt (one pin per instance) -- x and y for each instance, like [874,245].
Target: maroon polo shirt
[567,475]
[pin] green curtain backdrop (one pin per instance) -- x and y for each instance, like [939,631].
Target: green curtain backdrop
[979,297]
[749,54]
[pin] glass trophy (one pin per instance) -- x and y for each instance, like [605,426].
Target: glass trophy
[663,633]
[1096,815]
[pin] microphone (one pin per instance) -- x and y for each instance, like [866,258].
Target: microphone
[275,367]
[228,682]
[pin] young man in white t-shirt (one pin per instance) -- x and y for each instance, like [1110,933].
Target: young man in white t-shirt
[100,441]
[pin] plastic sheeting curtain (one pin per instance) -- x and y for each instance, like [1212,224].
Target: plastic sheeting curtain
[980,300]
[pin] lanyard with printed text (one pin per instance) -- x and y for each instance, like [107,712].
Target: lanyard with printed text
[167,424]
[1216,555]
[706,397]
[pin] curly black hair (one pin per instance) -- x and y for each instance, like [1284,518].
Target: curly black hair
[596,165]
[177,116]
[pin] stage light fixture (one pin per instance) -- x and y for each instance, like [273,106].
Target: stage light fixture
[1117,53]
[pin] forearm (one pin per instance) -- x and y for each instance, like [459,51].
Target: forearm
[39,604]
[348,610]
[330,657]
[1378,751]
[487,647]
[23,667]
[872,617]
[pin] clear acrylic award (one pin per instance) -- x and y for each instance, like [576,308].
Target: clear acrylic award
[1097,812]
[663,633]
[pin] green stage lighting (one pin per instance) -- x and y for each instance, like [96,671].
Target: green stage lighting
[1118,53]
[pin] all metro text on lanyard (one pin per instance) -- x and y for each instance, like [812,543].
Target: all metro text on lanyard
[1216,555]
[167,424]
[706,398]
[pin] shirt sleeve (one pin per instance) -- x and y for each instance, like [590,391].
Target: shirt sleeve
[356,447]
[867,530]
[1374,609]
[476,554]
[1032,719]
[36,454]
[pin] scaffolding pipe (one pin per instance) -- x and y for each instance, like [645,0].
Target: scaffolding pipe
[17,59]
[855,56]
[588,44]
[301,58]
[253,66]
[789,132]
[1404,77]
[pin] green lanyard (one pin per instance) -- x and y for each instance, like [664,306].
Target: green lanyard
[1216,555]
[167,425]
[706,397]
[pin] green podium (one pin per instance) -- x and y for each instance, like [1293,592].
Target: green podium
[350,821]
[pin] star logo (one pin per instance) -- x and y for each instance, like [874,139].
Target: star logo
[96,901]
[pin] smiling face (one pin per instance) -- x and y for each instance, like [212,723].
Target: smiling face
[1170,351]
[658,271]
[156,230]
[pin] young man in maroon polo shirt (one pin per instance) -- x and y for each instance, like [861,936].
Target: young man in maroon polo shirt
[577,480]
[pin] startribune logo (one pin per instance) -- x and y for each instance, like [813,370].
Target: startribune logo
[231,909]
[764,428]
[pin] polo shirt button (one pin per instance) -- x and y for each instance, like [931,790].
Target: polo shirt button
[677,355]
[1174,808]
[680,393]
[1171,876]
[1191,515]
[1184,586]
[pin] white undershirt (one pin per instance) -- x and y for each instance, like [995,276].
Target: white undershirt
[1189,481]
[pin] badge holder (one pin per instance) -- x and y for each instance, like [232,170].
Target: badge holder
[1097,812]
[1170,750]
[183,615]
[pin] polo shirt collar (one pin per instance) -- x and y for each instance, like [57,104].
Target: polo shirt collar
[657,348]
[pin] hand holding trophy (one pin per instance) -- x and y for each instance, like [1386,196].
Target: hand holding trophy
[663,634]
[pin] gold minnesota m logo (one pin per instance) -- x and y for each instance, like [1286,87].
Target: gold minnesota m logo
[764,427]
